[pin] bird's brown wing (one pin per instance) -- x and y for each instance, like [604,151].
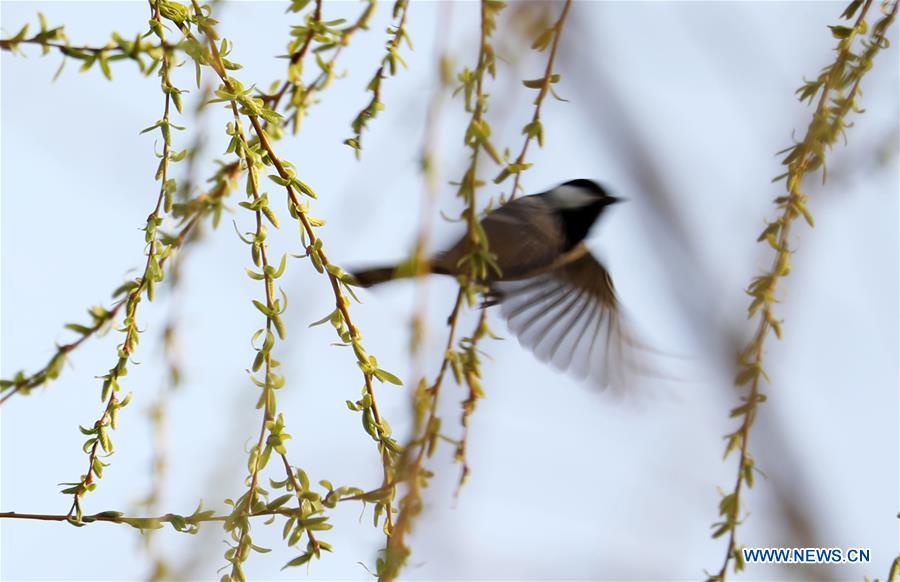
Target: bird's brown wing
[570,317]
[523,235]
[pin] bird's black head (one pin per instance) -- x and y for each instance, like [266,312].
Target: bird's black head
[579,202]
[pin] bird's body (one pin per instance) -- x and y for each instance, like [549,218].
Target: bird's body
[556,297]
[524,236]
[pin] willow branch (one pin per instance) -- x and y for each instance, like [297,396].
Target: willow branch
[839,86]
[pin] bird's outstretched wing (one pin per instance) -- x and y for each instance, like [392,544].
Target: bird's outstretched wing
[570,317]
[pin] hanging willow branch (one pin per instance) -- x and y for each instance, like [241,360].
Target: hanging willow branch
[838,89]
[478,261]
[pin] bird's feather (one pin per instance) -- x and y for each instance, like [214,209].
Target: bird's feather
[569,316]
[524,236]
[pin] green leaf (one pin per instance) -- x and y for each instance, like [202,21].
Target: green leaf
[254,275]
[840,32]
[152,127]
[851,9]
[323,320]
[538,83]
[386,376]
[104,65]
[298,561]
[263,308]
[83,330]
[303,187]
[281,266]
[543,40]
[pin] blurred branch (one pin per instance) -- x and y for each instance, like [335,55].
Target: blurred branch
[158,412]
[475,270]
[696,284]
[850,170]
[668,217]
[430,177]
[535,128]
[390,61]
[190,214]
[894,573]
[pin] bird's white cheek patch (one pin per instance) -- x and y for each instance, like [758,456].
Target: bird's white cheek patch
[572,197]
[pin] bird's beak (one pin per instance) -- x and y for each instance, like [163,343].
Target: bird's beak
[615,200]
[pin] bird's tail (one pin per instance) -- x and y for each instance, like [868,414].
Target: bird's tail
[376,275]
[405,270]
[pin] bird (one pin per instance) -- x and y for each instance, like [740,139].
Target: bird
[557,298]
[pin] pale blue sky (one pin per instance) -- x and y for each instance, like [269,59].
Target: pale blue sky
[565,483]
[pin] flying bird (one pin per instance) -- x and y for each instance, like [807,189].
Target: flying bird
[556,297]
